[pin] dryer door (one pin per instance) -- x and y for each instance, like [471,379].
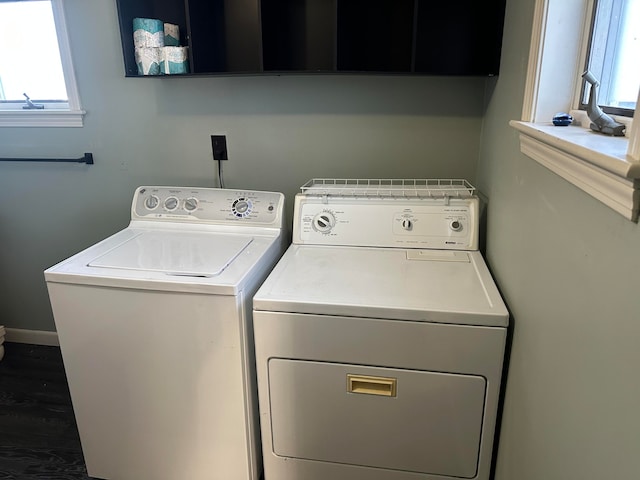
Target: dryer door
[416,421]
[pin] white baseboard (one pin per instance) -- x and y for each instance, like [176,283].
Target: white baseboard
[35,337]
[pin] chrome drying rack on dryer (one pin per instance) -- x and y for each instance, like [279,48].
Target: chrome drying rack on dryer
[389,188]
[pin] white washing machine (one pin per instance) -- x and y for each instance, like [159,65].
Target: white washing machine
[155,330]
[380,336]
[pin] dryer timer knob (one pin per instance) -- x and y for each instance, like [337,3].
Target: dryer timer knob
[323,222]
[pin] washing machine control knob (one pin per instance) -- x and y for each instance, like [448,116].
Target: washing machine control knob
[324,221]
[456,225]
[171,203]
[190,204]
[407,224]
[152,202]
[241,207]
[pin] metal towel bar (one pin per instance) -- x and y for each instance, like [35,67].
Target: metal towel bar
[87,158]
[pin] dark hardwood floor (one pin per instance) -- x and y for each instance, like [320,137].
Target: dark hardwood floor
[38,434]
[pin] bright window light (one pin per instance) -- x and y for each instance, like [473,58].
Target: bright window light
[624,91]
[30,57]
[614,53]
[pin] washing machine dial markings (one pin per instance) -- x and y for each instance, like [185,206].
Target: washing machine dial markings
[241,207]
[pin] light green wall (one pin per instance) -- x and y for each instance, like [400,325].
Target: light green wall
[281,131]
[567,266]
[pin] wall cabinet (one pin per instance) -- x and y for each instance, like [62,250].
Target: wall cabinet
[423,37]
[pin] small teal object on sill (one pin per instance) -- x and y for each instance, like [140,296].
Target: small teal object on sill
[562,119]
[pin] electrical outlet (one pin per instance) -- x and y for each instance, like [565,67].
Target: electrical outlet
[219,147]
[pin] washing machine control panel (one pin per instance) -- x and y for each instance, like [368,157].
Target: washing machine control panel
[208,205]
[404,223]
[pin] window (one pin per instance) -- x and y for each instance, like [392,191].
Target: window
[605,167]
[37,83]
[614,50]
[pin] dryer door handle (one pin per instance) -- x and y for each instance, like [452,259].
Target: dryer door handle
[363,384]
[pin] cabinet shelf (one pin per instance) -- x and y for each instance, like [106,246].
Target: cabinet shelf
[408,37]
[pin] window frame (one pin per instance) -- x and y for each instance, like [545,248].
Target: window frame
[607,168]
[54,116]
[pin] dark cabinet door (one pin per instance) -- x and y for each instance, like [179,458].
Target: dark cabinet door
[375,35]
[458,37]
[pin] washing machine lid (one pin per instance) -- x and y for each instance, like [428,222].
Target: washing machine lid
[197,260]
[175,253]
[390,283]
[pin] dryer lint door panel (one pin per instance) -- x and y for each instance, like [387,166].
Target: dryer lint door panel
[409,420]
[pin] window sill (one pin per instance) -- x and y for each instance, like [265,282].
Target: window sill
[42,118]
[597,164]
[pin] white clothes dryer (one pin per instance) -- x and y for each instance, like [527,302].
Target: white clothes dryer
[155,330]
[380,336]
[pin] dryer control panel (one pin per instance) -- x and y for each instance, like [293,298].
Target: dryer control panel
[208,205]
[376,222]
